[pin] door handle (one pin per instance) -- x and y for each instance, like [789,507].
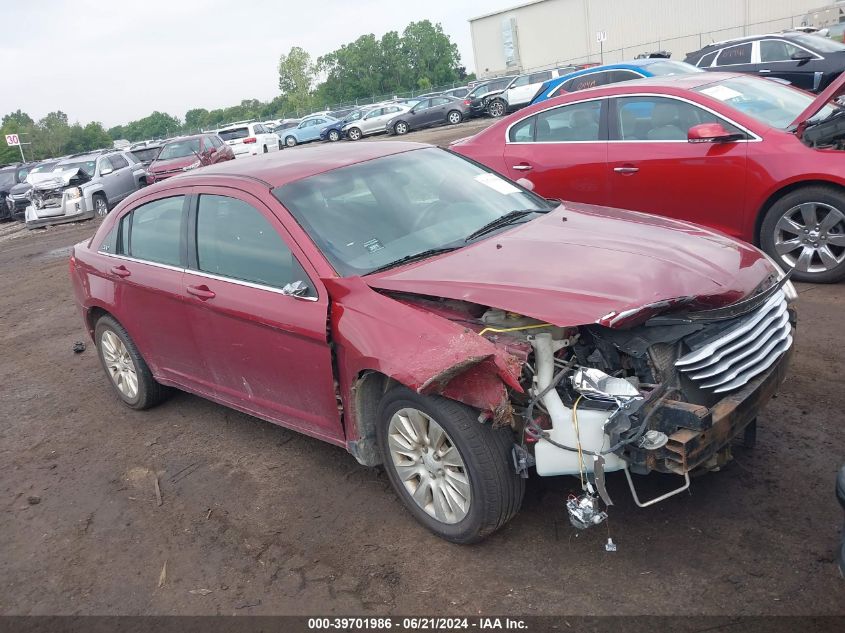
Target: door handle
[120,271]
[203,292]
[764,70]
[626,170]
[522,167]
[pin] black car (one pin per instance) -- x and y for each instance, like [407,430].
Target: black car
[477,97]
[806,61]
[17,199]
[9,177]
[432,111]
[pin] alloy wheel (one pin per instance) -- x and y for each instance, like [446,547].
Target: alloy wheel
[334,135]
[354,134]
[429,465]
[810,237]
[290,141]
[454,117]
[401,128]
[100,207]
[119,364]
[496,109]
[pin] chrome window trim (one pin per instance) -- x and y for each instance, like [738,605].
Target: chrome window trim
[754,137]
[199,273]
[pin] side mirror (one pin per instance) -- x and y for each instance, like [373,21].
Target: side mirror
[711,133]
[295,289]
[104,171]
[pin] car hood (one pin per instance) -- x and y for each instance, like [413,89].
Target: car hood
[57,178]
[582,264]
[20,188]
[834,90]
[172,163]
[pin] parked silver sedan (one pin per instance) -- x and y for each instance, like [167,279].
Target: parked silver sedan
[374,121]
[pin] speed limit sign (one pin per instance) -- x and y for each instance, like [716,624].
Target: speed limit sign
[12,140]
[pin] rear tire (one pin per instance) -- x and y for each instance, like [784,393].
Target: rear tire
[265,149]
[120,358]
[454,117]
[805,230]
[334,136]
[400,128]
[441,466]
[290,141]
[354,134]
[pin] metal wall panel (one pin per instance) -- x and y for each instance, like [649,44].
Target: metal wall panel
[554,32]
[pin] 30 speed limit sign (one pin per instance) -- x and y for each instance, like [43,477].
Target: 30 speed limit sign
[12,140]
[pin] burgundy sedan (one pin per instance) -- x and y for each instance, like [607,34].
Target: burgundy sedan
[756,159]
[187,153]
[429,315]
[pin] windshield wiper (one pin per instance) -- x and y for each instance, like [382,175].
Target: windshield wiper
[508,218]
[414,257]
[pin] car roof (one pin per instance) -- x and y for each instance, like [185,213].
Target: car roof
[746,38]
[280,168]
[78,158]
[235,126]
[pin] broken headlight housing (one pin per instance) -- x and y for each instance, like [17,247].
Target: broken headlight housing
[73,193]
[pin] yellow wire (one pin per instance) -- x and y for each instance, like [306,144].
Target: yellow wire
[581,467]
[512,329]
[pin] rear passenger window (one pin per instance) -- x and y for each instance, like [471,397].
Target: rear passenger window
[155,231]
[576,122]
[732,55]
[538,78]
[522,132]
[585,81]
[235,240]
[707,60]
[618,76]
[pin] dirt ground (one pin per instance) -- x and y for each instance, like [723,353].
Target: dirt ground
[256,519]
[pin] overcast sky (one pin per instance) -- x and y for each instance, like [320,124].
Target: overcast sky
[115,62]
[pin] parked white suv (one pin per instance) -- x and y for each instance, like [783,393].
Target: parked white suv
[249,139]
[520,91]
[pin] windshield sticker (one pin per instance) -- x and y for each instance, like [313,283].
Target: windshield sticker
[373,245]
[722,93]
[496,184]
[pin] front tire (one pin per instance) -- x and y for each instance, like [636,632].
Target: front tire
[496,108]
[453,473]
[805,230]
[290,141]
[334,136]
[354,134]
[128,373]
[101,205]
[400,128]
[454,117]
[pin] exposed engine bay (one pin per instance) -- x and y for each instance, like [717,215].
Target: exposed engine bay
[49,189]
[667,394]
[827,134]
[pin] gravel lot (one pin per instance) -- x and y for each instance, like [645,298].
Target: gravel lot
[259,520]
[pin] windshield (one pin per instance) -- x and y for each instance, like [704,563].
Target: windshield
[769,102]
[180,149]
[365,216]
[45,167]
[818,43]
[660,69]
[234,133]
[146,155]
[85,166]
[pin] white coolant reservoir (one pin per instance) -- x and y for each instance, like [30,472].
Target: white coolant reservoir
[550,459]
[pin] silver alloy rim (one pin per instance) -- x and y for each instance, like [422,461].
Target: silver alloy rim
[454,118]
[333,135]
[496,108]
[290,141]
[429,465]
[810,237]
[119,364]
[100,206]
[354,134]
[401,128]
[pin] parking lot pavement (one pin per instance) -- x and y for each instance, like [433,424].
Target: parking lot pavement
[255,519]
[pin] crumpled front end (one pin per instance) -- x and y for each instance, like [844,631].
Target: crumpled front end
[56,198]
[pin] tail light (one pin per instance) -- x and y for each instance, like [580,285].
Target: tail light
[467,102]
[249,140]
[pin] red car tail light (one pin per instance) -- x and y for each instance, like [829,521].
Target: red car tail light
[467,102]
[249,140]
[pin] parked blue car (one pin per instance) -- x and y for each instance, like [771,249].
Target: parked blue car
[308,129]
[611,74]
[334,132]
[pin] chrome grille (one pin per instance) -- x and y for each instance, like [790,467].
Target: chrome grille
[730,359]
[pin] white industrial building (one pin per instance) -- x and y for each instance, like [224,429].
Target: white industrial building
[547,33]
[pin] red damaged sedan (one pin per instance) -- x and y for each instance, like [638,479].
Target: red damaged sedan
[759,160]
[429,315]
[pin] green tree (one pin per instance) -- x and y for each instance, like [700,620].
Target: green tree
[196,119]
[430,53]
[51,135]
[296,77]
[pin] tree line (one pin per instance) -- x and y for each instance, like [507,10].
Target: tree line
[420,58]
